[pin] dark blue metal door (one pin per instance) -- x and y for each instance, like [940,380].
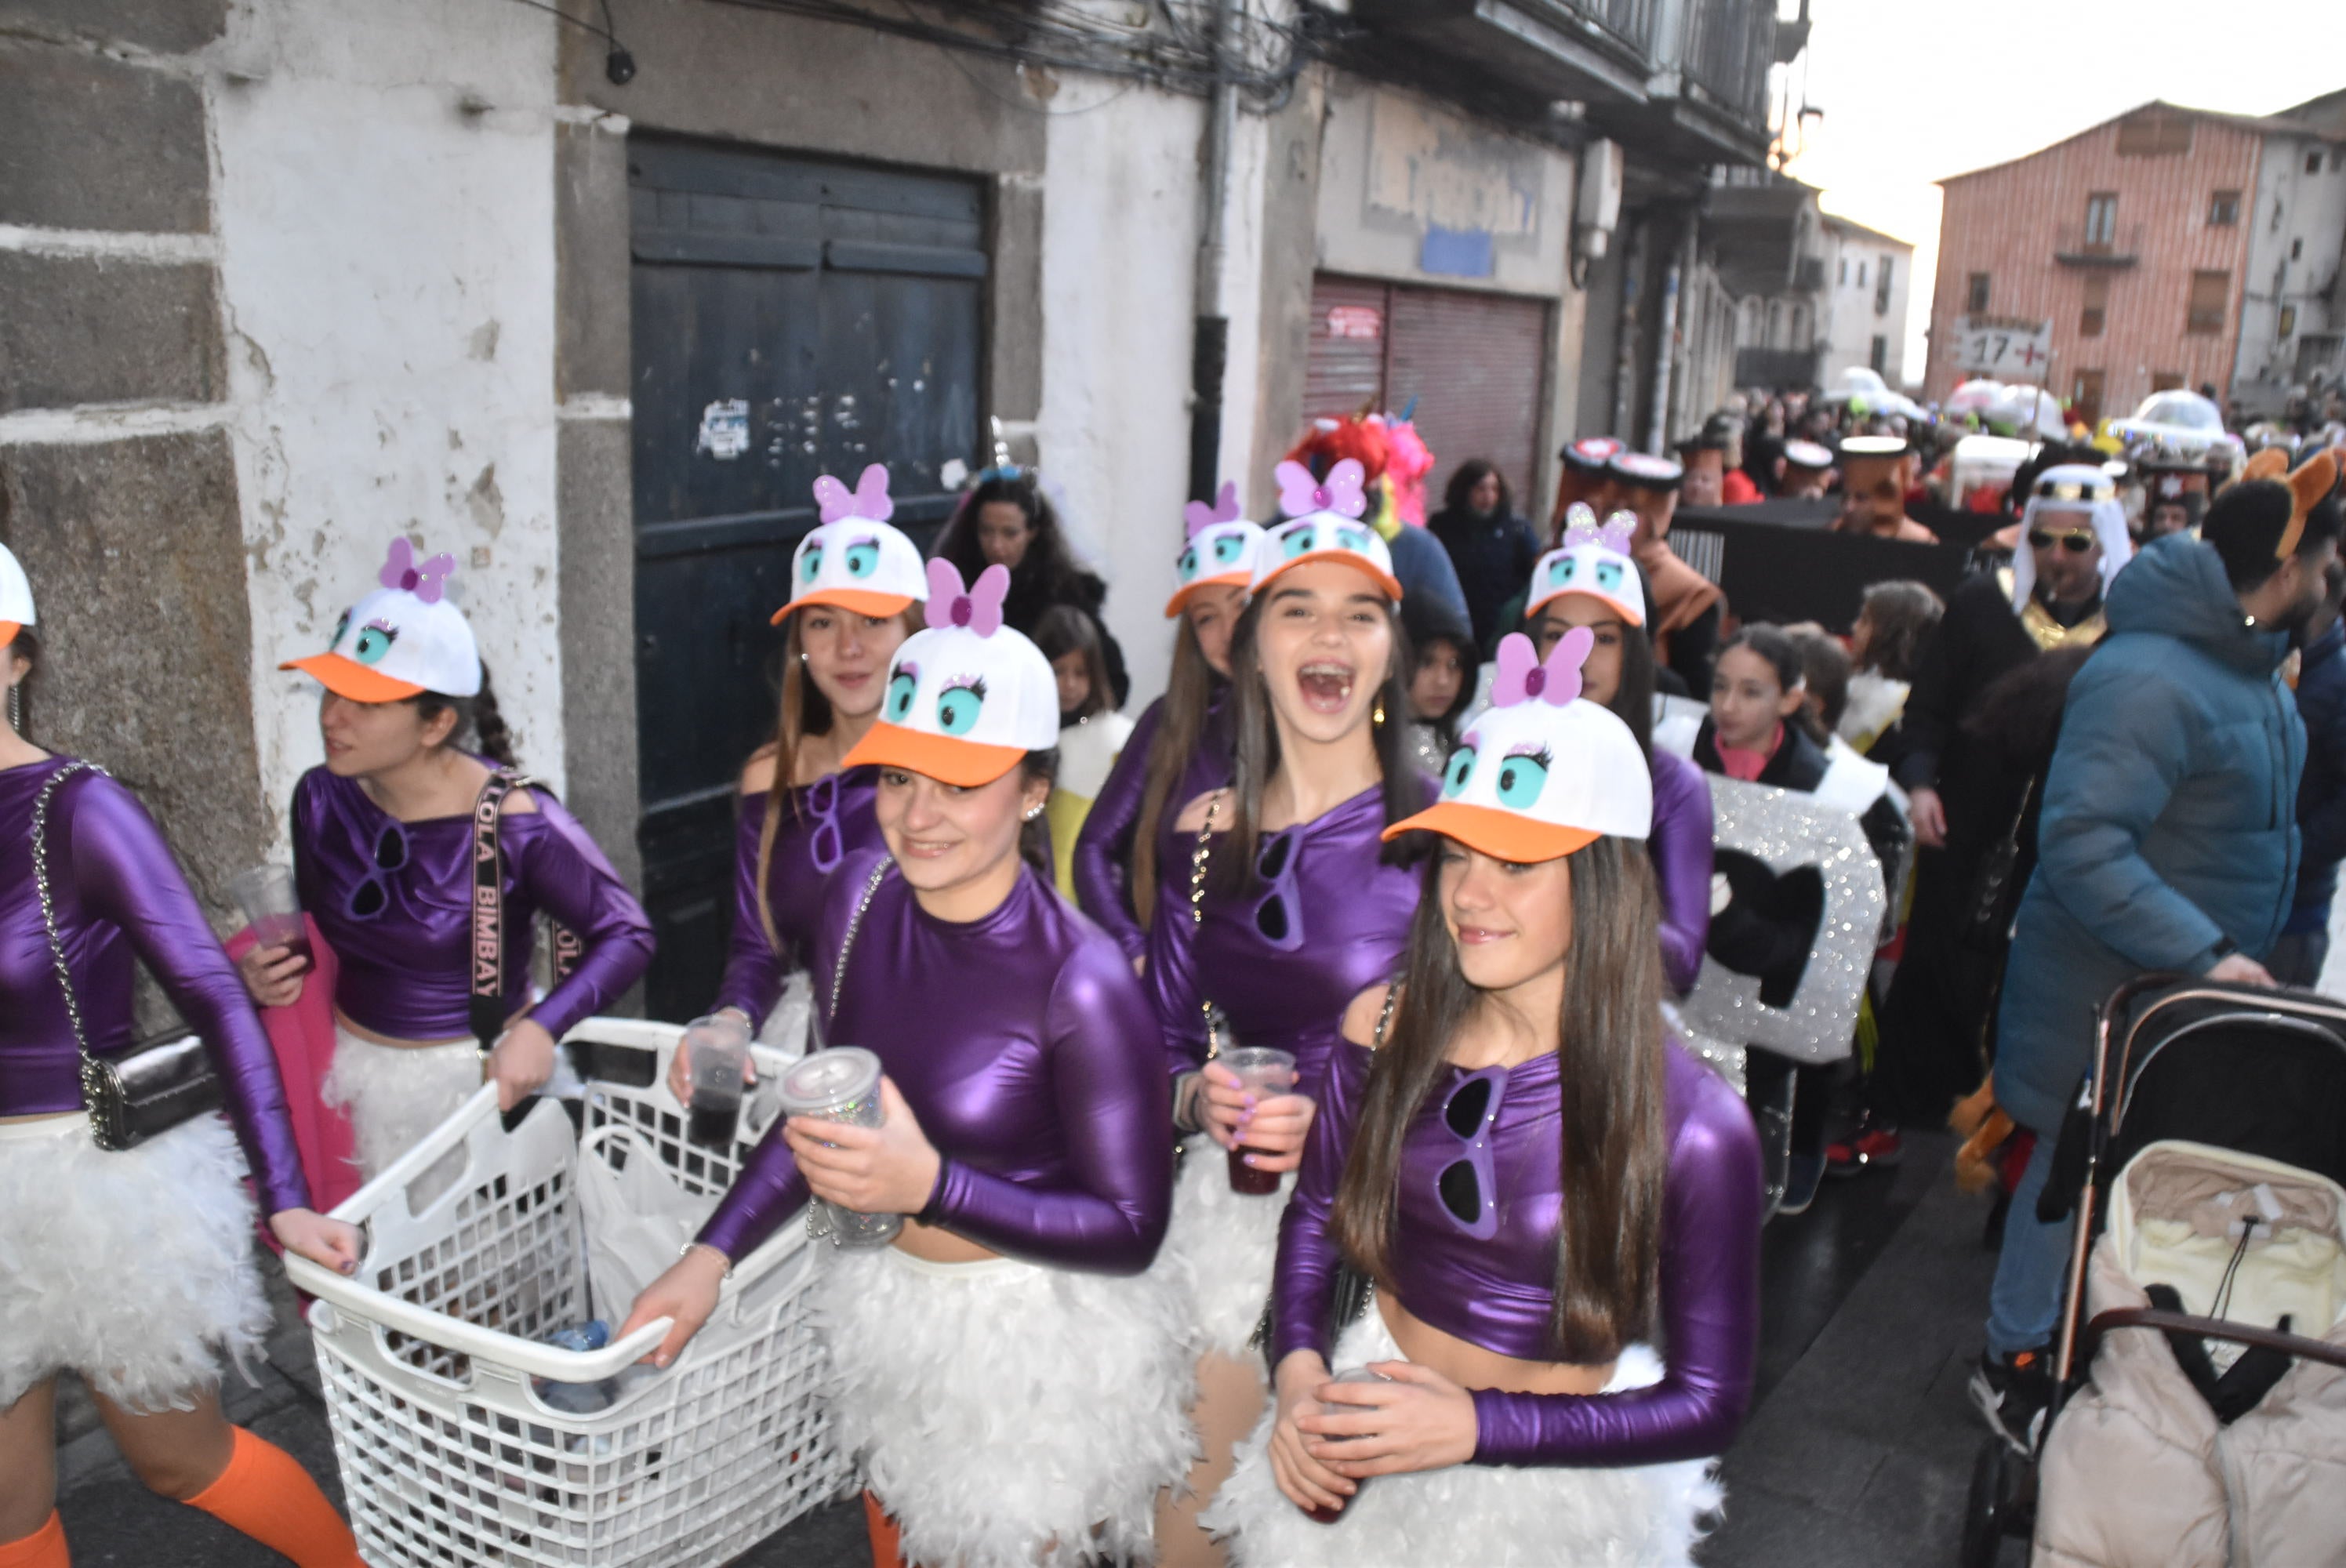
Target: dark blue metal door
[791,319]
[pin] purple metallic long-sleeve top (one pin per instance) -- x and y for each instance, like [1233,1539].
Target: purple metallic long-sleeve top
[119,894]
[1023,1045]
[1105,848]
[1351,907]
[1500,1294]
[1680,850]
[406,971]
[807,844]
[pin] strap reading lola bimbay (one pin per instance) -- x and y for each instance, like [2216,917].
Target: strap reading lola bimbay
[486,1009]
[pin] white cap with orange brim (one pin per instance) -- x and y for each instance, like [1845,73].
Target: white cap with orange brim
[854,558]
[1594,561]
[16,598]
[1221,553]
[1324,524]
[1544,771]
[402,640]
[969,697]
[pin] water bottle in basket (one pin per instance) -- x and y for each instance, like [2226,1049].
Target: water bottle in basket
[578,1399]
[841,1084]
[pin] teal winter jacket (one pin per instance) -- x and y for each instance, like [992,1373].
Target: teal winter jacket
[2169,823]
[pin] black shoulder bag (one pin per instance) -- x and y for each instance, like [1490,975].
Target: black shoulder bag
[486,1008]
[149,1089]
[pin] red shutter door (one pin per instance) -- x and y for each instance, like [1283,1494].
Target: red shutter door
[1345,372]
[1474,363]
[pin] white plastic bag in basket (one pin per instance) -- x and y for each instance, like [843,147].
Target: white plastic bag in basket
[637,1219]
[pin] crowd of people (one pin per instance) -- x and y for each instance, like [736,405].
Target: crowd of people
[1283,1094]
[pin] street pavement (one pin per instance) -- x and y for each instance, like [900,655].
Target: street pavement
[1858,1451]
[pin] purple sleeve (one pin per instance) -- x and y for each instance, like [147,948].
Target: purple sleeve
[1115,1112]
[1105,846]
[126,874]
[1682,852]
[753,967]
[566,876]
[768,1190]
[1711,1319]
[1304,1282]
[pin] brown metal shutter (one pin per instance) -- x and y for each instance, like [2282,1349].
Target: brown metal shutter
[1345,373]
[1473,362]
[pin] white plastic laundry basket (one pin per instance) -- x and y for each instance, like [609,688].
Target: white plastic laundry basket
[448,1456]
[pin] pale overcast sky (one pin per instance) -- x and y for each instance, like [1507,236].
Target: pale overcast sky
[1914,92]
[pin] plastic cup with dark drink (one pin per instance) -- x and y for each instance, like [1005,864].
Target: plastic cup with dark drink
[843,1085]
[716,1048]
[1324,1514]
[1262,1072]
[266,895]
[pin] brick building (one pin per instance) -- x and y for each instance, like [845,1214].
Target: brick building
[2147,240]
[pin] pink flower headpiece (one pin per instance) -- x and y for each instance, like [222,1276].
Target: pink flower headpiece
[869,500]
[977,607]
[1580,527]
[1522,676]
[426,580]
[1344,493]
[1225,509]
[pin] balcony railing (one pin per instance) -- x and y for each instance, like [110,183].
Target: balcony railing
[2104,245]
[1631,21]
[1729,45]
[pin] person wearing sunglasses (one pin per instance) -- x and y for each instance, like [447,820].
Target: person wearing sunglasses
[1286,905]
[1179,747]
[1539,1183]
[384,853]
[1008,1370]
[132,1266]
[2072,542]
[1591,582]
[856,585]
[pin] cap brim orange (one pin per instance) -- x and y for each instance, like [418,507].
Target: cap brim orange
[1188,591]
[348,677]
[8,630]
[1627,614]
[967,763]
[1503,835]
[863,601]
[1361,564]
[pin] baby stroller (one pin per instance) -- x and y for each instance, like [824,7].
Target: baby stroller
[2192,1422]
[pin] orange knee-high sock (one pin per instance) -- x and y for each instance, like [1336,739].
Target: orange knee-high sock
[266,1494]
[887,1541]
[44,1548]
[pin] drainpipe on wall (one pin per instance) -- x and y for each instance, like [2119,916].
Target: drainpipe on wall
[1658,430]
[1209,347]
[1625,336]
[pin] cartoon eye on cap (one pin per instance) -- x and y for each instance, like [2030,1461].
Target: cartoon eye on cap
[1220,552]
[1593,560]
[1324,524]
[1542,772]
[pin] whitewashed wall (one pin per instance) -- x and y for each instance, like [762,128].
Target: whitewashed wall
[385,212]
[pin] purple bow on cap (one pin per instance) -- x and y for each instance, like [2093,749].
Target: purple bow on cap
[1522,676]
[1225,509]
[426,580]
[978,608]
[1581,528]
[1344,492]
[869,500]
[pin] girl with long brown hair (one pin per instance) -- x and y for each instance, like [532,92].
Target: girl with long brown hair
[1179,747]
[856,587]
[1285,906]
[1535,1180]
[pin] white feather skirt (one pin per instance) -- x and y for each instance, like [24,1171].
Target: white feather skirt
[1220,1250]
[134,1269]
[395,1095]
[1007,1416]
[1473,1515]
